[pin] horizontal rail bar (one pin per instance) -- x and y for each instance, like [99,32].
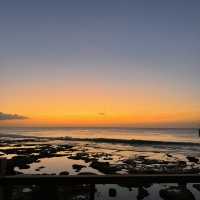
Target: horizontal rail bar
[99,179]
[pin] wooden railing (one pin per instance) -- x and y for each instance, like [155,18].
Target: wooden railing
[49,183]
[99,179]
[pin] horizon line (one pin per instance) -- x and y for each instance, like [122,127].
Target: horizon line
[99,127]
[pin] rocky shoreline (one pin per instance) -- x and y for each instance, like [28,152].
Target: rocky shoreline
[23,154]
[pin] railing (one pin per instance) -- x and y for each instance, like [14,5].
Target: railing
[100,179]
[49,183]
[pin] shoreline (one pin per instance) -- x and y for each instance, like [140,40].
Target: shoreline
[52,159]
[88,157]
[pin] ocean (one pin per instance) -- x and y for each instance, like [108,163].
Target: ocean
[139,134]
[169,140]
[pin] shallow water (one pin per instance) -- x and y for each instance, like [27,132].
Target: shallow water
[118,150]
[56,165]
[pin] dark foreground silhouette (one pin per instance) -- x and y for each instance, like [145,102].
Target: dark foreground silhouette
[139,187]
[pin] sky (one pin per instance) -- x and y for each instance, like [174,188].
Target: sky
[100,63]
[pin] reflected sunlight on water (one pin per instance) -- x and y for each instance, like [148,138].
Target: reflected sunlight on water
[166,135]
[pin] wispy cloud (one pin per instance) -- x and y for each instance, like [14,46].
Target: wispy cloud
[102,114]
[5,116]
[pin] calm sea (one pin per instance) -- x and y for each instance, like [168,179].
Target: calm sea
[143,134]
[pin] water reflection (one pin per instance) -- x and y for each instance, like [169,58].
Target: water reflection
[101,192]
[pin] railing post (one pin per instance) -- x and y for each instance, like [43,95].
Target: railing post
[3,165]
[92,191]
[1,192]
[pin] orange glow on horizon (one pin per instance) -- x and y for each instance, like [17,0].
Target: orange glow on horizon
[91,105]
[101,119]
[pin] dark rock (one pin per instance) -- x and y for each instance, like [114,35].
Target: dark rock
[182,163]
[39,168]
[192,159]
[21,160]
[130,162]
[87,160]
[168,155]
[101,154]
[64,147]
[24,166]
[82,156]
[176,193]
[48,151]
[64,173]
[17,145]
[150,162]
[78,167]
[107,158]
[140,158]
[79,156]
[142,193]
[18,151]
[104,167]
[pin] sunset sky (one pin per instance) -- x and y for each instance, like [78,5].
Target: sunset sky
[100,63]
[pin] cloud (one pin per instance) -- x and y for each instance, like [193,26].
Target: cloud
[101,114]
[4,116]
